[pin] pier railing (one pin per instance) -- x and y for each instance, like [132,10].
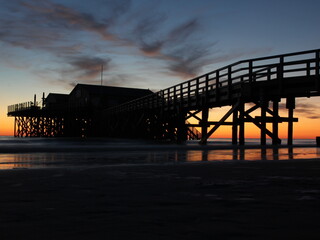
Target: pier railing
[278,67]
[23,107]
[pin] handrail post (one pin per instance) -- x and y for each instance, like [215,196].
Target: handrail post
[158,94]
[229,81]
[174,97]
[280,73]
[317,66]
[189,92]
[290,105]
[181,95]
[169,100]
[269,74]
[207,90]
[197,91]
[162,99]
[217,86]
[250,71]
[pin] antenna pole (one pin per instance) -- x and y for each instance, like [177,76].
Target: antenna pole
[43,99]
[101,73]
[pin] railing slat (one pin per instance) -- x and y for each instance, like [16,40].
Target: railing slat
[257,69]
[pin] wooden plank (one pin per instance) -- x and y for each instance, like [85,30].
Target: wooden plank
[210,124]
[277,119]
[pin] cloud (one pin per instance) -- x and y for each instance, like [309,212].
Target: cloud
[182,56]
[21,34]
[89,68]
[181,49]
[145,34]
[117,9]
[302,109]
[314,117]
[188,61]
[52,28]
[307,110]
[118,80]
[152,49]
[183,31]
[36,24]
[46,27]
[76,35]
[64,17]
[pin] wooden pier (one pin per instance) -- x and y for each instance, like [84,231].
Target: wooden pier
[245,87]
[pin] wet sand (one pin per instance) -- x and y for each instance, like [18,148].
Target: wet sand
[213,200]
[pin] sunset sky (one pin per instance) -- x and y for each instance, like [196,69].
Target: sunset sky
[51,45]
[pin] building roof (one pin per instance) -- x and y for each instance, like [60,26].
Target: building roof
[112,91]
[58,95]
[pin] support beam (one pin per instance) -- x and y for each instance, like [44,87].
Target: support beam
[224,118]
[275,126]
[263,127]
[290,105]
[275,119]
[290,126]
[262,106]
[182,129]
[241,124]
[211,123]
[255,107]
[235,127]
[257,123]
[204,126]
[193,115]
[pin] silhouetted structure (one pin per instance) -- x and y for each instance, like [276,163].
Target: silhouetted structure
[75,115]
[245,86]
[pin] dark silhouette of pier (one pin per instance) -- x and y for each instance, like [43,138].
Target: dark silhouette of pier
[246,86]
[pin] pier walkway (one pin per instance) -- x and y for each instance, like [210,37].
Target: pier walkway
[257,83]
[245,87]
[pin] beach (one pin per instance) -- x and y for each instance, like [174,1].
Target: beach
[201,200]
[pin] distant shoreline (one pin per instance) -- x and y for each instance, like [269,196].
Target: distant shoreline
[26,148]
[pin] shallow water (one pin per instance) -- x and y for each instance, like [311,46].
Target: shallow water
[45,152]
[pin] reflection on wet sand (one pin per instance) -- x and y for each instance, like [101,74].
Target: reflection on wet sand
[241,154]
[28,160]
[263,154]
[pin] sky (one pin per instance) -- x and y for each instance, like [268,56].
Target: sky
[51,45]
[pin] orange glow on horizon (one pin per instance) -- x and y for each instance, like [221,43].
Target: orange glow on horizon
[305,128]
[6,126]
